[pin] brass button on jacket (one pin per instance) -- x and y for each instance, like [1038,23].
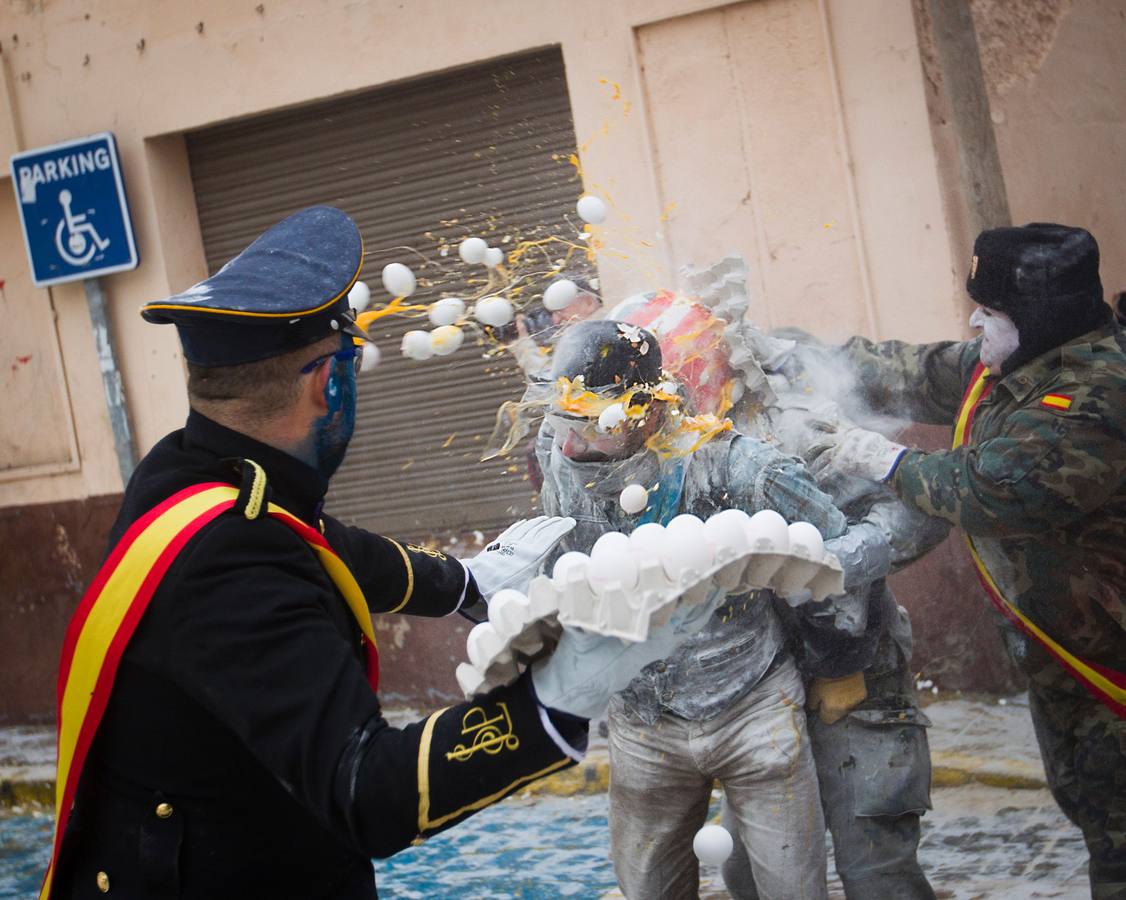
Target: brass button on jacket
[164,810]
[103,882]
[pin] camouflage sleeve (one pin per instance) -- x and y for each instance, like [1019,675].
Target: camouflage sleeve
[923,382]
[1045,470]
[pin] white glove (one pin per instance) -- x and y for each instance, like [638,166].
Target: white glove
[515,557]
[585,669]
[854,451]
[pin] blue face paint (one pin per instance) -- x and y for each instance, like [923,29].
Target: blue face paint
[333,431]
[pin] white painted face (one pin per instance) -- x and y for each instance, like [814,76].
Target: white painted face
[999,336]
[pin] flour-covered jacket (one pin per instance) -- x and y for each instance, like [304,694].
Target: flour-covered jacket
[745,637]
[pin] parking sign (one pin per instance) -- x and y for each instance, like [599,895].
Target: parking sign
[73,210]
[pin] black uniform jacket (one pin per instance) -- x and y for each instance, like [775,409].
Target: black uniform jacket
[243,752]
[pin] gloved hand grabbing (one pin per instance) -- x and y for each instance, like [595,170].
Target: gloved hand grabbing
[835,698]
[797,427]
[585,669]
[854,451]
[514,558]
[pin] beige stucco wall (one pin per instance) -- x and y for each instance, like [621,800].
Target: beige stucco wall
[883,265]
[1057,92]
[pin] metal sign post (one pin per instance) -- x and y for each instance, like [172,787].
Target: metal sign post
[111,378]
[77,227]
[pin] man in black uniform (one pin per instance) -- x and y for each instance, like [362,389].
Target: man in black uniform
[242,751]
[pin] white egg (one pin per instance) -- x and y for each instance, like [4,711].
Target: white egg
[647,539]
[370,358]
[686,524]
[611,561]
[685,547]
[495,311]
[728,529]
[472,250]
[611,417]
[509,611]
[416,345]
[567,565]
[591,209]
[483,644]
[806,541]
[359,297]
[445,339]
[712,845]
[560,294]
[633,499]
[398,280]
[494,256]
[610,542]
[446,311]
[768,533]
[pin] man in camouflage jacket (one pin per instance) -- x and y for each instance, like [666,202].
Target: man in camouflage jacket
[1037,483]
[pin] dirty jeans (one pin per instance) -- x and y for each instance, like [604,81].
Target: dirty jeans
[875,848]
[874,771]
[661,778]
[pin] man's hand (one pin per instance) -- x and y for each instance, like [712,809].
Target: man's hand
[854,451]
[514,558]
[585,669]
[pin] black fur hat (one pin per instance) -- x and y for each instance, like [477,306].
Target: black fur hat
[1045,278]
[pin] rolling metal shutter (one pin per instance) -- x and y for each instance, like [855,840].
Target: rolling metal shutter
[478,151]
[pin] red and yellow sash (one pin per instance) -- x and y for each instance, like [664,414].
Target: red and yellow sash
[1106,685]
[116,600]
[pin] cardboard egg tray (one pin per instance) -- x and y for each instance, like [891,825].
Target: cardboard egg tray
[518,631]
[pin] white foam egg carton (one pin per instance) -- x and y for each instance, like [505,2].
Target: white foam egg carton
[629,585]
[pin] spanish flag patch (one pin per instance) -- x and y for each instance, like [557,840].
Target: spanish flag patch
[1056,401]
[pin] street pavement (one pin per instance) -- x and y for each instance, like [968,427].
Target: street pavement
[994,831]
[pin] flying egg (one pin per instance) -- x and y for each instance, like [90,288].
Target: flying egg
[472,250]
[359,297]
[416,345]
[494,311]
[712,845]
[369,358]
[560,294]
[446,311]
[445,339]
[591,209]
[633,499]
[398,280]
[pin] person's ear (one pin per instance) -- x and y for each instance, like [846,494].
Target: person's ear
[313,388]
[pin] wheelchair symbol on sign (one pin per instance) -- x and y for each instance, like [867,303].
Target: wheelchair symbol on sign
[76,239]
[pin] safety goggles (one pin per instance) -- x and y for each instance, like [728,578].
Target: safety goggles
[355,354]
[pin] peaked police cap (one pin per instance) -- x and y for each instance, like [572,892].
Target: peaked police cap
[285,291]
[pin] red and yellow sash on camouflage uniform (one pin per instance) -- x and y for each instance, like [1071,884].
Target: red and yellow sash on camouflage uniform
[1106,685]
[116,600]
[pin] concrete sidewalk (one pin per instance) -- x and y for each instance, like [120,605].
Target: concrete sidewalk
[984,740]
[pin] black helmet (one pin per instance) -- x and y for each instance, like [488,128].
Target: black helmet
[611,357]
[1045,278]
